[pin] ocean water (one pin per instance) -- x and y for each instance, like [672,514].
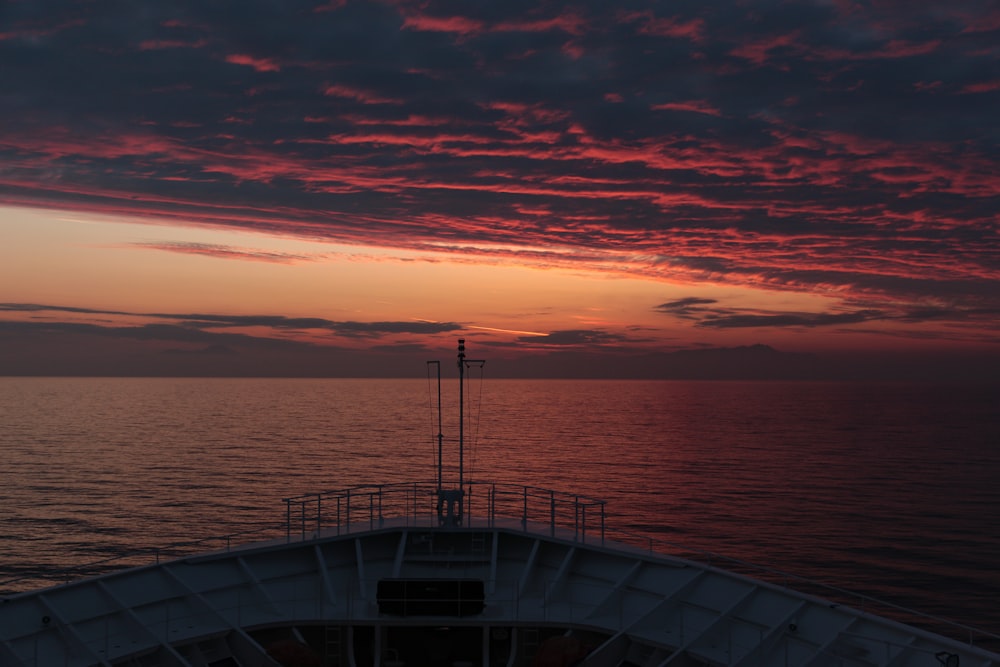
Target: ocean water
[890,490]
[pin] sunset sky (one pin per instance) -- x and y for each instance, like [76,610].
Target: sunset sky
[608,188]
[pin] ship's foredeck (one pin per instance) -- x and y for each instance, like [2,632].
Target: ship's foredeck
[362,573]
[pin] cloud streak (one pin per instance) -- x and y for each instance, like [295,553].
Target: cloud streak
[203,327]
[970,324]
[227,252]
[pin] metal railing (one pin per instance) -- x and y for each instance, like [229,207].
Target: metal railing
[488,505]
[569,516]
[485,504]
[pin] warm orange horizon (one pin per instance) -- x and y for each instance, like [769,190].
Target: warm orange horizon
[147,297]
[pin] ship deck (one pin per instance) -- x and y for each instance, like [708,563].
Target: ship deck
[374,576]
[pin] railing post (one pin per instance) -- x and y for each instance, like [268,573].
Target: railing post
[552,512]
[413,501]
[524,515]
[576,518]
[319,513]
[288,520]
[466,505]
[347,522]
[467,519]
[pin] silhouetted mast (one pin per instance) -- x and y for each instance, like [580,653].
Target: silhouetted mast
[461,413]
[451,505]
[440,435]
[463,363]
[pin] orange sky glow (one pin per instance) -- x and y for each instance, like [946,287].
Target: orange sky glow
[107,271]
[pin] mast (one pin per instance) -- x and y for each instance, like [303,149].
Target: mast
[461,413]
[463,363]
[451,502]
[440,435]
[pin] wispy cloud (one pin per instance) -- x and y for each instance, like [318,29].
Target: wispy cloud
[259,64]
[577,337]
[790,319]
[226,252]
[205,326]
[714,314]
[690,307]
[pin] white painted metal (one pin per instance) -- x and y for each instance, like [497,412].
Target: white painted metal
[645,608]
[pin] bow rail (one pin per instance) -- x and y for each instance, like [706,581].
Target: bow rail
[487,505]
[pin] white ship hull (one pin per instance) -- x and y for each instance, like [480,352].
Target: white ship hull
[371,577]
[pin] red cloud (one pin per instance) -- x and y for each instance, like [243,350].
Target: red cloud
[259,64]
[464,26]
[32,32]
[650,24]
[758,51]
[569,23]
[358,94]
[453,24]
[984,87]
[697,106]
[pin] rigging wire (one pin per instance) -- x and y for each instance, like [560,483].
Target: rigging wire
[430,414]
[479,413]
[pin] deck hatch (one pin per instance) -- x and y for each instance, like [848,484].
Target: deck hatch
[431,597]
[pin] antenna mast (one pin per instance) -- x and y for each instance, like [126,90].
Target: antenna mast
[451,502]
[462,365]
[440,435]
[461,413]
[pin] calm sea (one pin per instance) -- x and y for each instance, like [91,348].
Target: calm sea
[891,490]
